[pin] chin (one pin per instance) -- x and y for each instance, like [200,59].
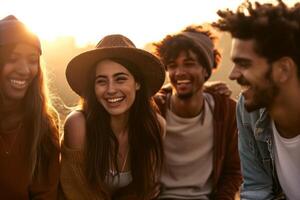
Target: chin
[16,97]
[184,95]
[117,112]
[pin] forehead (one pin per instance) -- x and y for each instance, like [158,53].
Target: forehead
[23,48]
[243,48]
[107,67]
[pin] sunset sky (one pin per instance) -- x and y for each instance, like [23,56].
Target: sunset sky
[88,21]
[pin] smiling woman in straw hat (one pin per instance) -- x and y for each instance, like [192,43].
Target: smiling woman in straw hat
[29,145]
[112,147]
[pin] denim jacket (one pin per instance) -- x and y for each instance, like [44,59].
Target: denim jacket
[257,155]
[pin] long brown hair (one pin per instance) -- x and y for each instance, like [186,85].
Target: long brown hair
[144,138]
[41,120]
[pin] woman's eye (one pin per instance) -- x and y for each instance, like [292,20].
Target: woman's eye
[100,81]
[121,79]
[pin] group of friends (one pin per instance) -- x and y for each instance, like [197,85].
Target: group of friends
[131,138]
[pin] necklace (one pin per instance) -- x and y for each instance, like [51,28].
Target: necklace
[114,172]
[125,161]
[8,147]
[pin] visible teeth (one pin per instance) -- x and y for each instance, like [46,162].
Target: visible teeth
[183,81]
[114,100]
[18,82]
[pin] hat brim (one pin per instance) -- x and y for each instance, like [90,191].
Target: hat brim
[151,68]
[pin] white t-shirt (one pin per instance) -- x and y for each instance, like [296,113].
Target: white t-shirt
[287,162]
[189,156]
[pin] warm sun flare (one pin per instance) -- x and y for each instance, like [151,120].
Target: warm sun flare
[88,21]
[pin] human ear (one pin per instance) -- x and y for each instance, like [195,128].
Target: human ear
[284,69]
[137,86]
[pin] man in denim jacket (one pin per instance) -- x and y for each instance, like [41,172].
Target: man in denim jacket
[266,57]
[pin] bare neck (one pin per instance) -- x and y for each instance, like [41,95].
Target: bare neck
[187,108]
[119,124]
[286,113]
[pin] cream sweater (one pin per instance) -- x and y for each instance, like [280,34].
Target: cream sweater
[73,181]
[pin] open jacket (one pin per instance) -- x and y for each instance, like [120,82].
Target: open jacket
[226,175]
[257,155]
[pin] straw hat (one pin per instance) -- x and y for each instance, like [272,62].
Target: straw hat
[119,47]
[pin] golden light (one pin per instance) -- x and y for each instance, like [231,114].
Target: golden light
[88,21]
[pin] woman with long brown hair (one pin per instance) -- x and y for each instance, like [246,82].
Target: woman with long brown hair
[29,144]
[112,147]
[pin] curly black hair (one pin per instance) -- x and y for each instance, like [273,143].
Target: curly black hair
[274,28]
[172,45]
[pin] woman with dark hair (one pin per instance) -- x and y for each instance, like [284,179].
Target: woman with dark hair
[29,144]
[112,147]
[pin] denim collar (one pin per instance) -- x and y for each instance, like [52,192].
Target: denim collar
[263,129]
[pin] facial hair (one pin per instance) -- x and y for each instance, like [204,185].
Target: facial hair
[188,95]
[184,96]
[263,96]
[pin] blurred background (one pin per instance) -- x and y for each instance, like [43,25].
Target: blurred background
[69,27]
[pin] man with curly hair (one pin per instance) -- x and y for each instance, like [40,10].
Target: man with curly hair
[266,57]
[201,154]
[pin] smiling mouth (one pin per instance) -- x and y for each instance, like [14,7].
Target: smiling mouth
[115,100]
[20,84]
[183,82]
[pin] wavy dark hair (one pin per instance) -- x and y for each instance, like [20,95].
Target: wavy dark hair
[274,28]
[172,45]
[144,138]
[41,120]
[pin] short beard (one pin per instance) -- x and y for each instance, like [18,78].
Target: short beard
[263,98]
[184,96]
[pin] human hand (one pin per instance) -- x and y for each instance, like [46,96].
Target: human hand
[218,87]
[161,95]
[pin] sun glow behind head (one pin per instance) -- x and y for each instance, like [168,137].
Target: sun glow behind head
[87,21]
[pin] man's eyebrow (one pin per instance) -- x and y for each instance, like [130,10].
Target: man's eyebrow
[240,59]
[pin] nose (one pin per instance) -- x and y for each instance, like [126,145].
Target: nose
[111,89]
[179,71]
[235,73]
[23,67]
